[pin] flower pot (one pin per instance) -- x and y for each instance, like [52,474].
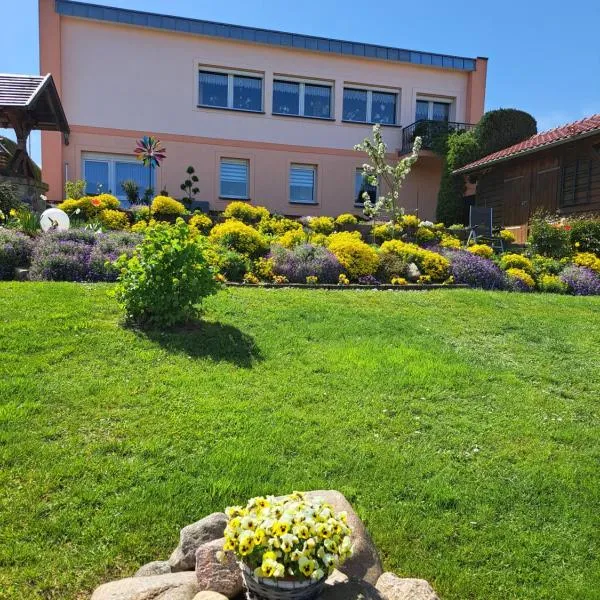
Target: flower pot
[260,588]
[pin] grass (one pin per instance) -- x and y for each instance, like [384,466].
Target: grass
[463,425]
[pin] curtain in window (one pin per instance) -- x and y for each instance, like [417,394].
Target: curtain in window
[355,105]
[383,109]
[95,173]
[213,89]
[247,93]
[234,178]
[317,101]
[441,111]
[134,171]
[286,97]
[302,184]
[422,110]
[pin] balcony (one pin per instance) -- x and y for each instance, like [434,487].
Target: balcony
[430,132]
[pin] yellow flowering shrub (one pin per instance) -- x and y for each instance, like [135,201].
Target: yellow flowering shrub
[587,259]
[398,281]
[516,261]
[385,231]
[322,225]
[318,239]
[238,236]
[482,250]
[425,235]
[508,237]
[201,222]
[89,206]
[312,279]
[245,212]
[166,206]
[251,278]
[113,219]
[450,241]
[343,280]
[522,276]
[354,255]
[552,284]
[292,238]
[263,268]
[278,226]
[280,279]
[429,263]
[292,536]
[410,220]
[346,219]
[142,226]
[424,279]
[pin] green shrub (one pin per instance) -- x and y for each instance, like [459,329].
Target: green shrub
[585,235]
[238,236]
[499,129]
[323,225]
[15,251]
[8,199]
[432,264]
[354,255]
[516,261]
[164,206]
[385,231]
[552,284]
[245,212]
[231,264]
[548,240]
[543,265]
[390,266]
[75,189]
[166,277]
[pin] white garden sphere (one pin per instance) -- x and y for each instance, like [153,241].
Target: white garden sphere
[54,219]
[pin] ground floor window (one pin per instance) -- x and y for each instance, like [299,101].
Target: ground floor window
[107,173]
[361,185]
[303,184]
[234,178]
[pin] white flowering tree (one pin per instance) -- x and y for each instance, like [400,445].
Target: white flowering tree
[379,170]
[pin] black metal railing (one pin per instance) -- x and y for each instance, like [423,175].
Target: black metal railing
[430,132]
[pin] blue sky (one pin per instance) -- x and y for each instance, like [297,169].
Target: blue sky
[544,55]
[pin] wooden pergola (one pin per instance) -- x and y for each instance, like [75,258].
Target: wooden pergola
[28,103]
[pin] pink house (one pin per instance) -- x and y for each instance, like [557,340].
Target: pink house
[264,116]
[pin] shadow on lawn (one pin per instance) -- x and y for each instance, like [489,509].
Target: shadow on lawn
[203,339]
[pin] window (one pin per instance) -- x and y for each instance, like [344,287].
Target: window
[361,185]
[579,178]
[303,184]
[230,90]
[234,178]
[301,99]
[106,173]
[428,110]
[367,106]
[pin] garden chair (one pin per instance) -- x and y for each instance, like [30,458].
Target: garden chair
[481,230]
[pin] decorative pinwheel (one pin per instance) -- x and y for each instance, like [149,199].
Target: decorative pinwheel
[151,152]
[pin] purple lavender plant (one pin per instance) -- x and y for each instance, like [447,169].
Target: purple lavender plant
[581,281]
[305,260]
[15,251]
[368,280]
[475,271]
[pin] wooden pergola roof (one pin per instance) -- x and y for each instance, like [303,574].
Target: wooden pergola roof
[33,98]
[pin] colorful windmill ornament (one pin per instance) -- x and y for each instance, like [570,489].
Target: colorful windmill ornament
[151,152]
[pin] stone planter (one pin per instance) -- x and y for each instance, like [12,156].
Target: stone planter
[279,589]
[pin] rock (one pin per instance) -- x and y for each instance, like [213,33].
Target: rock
[412,272]
[396,588]
[192,537]
[214,576]
[173,586]
[336,577]
[209,596]
[364,563]
[157,567]
[350,590]
[21,274]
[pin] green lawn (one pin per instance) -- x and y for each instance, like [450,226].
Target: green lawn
[463,425]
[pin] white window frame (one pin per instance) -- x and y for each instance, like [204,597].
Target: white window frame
[238,161]
[315,170]
[112,159]
[370,91]
[302,83]
[430,101]
[231,73]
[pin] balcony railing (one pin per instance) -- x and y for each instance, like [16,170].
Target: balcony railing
[430,132]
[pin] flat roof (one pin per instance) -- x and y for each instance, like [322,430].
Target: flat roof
[261,36]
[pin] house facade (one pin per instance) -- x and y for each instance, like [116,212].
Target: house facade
[556,171]
[263,116]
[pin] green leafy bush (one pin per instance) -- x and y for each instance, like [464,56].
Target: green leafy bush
[166,277]
[585,235]
[8,198]
[75,189]
[552,284]
[229,263]
[502,128]
[547,239]
[543,265]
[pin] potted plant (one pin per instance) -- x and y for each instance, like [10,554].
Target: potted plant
[287,546]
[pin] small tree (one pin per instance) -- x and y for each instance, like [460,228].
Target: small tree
[379,169]
[189,187]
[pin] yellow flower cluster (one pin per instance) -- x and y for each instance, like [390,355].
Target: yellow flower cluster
[587,259]
[291,536]
[482,250]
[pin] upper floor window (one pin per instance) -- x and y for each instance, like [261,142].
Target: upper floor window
[230,90]
[303,184]
[301,99]
[234,178]
[430,110]
[369,106]
[361,185]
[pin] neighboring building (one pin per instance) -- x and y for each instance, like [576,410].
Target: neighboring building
[264,116]
[554,171]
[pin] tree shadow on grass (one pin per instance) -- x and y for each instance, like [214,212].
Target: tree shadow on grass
[205,339]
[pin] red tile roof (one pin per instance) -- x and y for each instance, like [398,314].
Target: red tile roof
[538,142]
